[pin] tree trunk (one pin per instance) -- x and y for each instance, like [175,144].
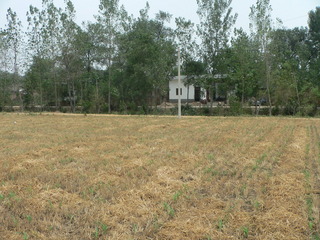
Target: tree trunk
[156,95]
[297,92]
[56,93]
[211,99]
[242,95]
[21,101]
[16,76]
[109,88]
[188,95]
[268,76]
[97,97]
[41,90]
[71,95]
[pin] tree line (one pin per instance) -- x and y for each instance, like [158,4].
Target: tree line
[123,63]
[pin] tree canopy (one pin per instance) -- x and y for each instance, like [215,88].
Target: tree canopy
[124,63]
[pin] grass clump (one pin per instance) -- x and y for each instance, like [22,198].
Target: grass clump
[169,209]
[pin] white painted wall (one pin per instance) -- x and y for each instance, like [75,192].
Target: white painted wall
[173,85]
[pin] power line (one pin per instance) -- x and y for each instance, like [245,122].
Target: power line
[296,18]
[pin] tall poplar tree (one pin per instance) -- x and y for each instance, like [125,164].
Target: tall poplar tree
[185,37]
[243,66]
[70,59]
[314,31]
[110,19]
[44,34]
[216,21]
[14,41]
[4,75]
[261,25]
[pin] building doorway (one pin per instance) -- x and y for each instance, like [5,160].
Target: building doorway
[197,94]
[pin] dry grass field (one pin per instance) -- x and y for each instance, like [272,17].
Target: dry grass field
[120,177]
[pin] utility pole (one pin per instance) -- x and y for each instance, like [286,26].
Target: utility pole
[179,86]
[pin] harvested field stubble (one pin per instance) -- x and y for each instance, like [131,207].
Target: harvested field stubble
[121,177]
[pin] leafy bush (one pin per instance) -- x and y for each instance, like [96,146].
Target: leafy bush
[235,106]
[188,110]
[86,106]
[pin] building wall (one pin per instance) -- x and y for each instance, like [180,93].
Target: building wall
[173,85]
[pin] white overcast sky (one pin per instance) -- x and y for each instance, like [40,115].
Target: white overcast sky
[293,13]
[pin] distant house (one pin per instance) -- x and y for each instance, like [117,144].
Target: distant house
[196,93]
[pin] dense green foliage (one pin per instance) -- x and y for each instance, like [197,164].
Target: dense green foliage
[124,64]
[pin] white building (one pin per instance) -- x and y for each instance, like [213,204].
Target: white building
[195,93]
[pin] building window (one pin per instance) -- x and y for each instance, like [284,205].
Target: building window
[177,91]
